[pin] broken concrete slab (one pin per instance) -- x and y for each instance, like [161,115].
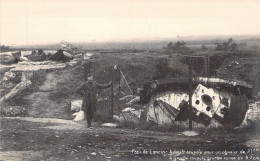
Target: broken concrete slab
[76,105]
[16,90]
[35,66]
[68,54]
[80,116]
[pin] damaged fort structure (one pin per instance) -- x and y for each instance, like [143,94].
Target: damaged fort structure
[224,101]
[215,101]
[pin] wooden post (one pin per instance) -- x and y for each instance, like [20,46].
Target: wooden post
[190,95]
[112,93]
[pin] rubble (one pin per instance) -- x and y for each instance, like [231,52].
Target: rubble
[76,105]
[252,114]
[190,133]
[68,54]
[109,125]
[17,55]
[157,112]
[37,56]
[16,90]
[80,116]
[13,111]
[129,115]
[210,107]
[133,101]
[8,75]
[7,58]
[4,69]
[88,56]
[50,52]
[59,56]
[35,66]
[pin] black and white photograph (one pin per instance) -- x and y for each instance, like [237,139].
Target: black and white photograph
[129,80]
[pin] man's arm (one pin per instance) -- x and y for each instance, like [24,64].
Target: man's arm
[80,89]
[103,86]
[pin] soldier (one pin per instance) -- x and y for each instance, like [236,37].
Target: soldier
[89,91]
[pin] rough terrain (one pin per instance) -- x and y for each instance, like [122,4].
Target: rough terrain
[24,138]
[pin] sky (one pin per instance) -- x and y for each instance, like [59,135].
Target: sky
[28,22]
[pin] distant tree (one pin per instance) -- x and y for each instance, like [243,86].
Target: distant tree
[234,47]
[170,46]
[203,47]
[179,45]
[229,45]
[4,48]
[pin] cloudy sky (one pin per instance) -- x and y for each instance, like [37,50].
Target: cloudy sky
[26,22]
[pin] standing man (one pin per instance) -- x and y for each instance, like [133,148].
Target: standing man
[89,91]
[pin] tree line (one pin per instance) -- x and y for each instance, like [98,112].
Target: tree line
[180,46]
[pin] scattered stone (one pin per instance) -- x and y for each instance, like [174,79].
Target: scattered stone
[93,153]
[190,133]
[4,69]
[9,75]
[88,56]
[13,111]
[109,125]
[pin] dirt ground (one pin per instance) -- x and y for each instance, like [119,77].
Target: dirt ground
[27,138]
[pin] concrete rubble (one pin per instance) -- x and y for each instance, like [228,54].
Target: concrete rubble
[80,116]
[22,65]
[128,115]
[190,133]
[16,90]
[210,107]
[7,58]
[109,125]
[37,55]
[76,105]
